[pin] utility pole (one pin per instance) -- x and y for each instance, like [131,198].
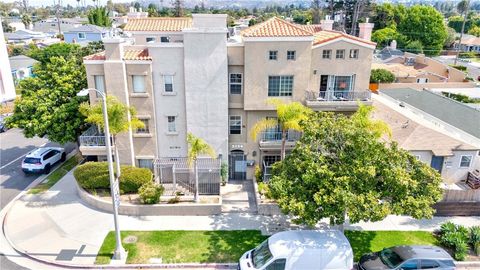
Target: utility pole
[57,14]
[461,33]
[356,13]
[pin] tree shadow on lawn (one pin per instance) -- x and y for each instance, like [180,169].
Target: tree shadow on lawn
[229,246]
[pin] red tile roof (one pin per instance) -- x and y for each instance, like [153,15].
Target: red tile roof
[163,24]
[327,35]
[312,28]
[275,27]
[128,54]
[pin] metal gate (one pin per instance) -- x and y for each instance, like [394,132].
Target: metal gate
[237,165]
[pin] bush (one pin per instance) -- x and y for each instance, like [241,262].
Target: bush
[414,47]
[467,55]
[263,189]
[475,239]
[94,175]
[224,172]
[381,75]
[258,174]
[459,67]
[455,237]
[150,192]
[174,200]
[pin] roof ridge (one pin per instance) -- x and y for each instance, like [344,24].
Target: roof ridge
[294,25]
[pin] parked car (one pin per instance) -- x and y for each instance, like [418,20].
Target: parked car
[407,258]
[305,250]
[3,127]
[41,160]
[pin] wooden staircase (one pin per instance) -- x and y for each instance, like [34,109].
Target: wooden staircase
[457,209]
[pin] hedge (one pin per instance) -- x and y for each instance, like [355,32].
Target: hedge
[94,175]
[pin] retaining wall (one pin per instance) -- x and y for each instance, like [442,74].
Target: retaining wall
[264,208]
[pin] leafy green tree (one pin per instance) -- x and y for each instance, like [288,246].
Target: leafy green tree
[341,167]
[384,16]
[380,75]
[425,24]
[26,20]
[99,16]
[197,146]
[48,106]
[475,30]
[7,28]
[384,36]
[414,47]
[450,37]
[289,116]
[65,50]
[178,8]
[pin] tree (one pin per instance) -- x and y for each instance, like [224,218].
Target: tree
[462,6]
[99,16]
[252,22]
[26,20]
[152,10]
[475,30]
[384,16]
[7,28]
[197,147]
[118,120]
[384,36]
[178,8]
[342,168]
[380,75]
[48,106]
[425,24]
[414,46]
[450,37]
[289,116]
[316,11]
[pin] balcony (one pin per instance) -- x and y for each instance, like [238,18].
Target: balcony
[273,139]
[92,142]
[343,101]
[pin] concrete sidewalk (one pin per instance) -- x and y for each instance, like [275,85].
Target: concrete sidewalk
[56,226]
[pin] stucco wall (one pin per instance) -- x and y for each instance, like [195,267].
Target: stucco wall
[88,37]
[141,37]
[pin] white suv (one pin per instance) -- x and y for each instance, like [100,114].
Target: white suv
[41,160]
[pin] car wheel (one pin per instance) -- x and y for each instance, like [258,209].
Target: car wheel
[47,169]
[64,156]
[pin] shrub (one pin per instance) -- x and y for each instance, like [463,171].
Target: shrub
[150,192]
[174,200]
[455,237]
[467,55]
[258,174]
[459,67]
[381,75]
[94,175]
[224,172]
[475,239]
[263,189]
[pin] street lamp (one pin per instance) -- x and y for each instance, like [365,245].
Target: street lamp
[119,253]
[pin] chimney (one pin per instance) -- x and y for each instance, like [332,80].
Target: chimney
[131,9]
[114,48]
[365,30]
[326,24]
[393,44]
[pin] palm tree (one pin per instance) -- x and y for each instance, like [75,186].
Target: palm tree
[26,20]
[196,147]
[118,120]
[289,116]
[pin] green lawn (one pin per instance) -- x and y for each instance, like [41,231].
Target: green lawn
[183,246]
[56,175]
[369,241]
[228,246]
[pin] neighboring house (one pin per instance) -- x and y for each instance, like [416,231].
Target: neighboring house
[469,44]
[7,87]
[50,25]
[87,33]
[183,75]
[22,67]
[26,37]
[451,157]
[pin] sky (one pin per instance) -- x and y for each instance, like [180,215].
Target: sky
[64,2]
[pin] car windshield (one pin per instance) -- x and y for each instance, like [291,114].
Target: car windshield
[261,255]
[390,258]
[30,160]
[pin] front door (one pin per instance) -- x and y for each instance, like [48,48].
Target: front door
[237,165]
[437,163]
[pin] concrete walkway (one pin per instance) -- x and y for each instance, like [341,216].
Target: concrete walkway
[56,226]
[238,197]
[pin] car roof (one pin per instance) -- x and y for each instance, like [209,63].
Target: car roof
[421,252]
[283,244]
[40,151]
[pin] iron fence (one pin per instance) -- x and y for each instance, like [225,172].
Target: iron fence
[91,137]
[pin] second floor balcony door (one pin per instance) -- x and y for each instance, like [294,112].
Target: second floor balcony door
[334,87]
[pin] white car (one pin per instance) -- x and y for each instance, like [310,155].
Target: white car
[41,160]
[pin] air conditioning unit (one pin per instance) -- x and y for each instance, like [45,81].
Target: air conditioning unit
[410,61]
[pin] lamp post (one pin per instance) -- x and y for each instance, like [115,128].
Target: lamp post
[119,253]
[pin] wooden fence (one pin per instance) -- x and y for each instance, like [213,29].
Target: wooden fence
[471,195]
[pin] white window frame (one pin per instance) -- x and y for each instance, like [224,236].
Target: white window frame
[273,55]
[354,53]
[469,163]
[84,35]
[329,54]
[337,54]
[230,124]
[282,91]
[417,157]
[426,80]
[146,129]
[153,39]
[235,83]
[102,78]
[293,54]
[165,83]
[150,159]
[134,90]
[174,125]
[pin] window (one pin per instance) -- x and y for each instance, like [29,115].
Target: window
[429,264]
[417,157]
[168,83]
[326,54]
[261,255]
[410,265]
[164,39]
[291,55]
[145,163]
[99,84]
[236,84]
[171,124]
[280,86]
[145,129]
[354,53]
[48,155]
[269,160]
[343,83]
[138,83]
[272,55]
[278,264]
[81,36]
[465,161]
[150,39]
[235,124]
[340,54]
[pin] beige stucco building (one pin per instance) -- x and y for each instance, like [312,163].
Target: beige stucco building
[187,75]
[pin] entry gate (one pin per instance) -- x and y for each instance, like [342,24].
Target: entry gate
[238,165]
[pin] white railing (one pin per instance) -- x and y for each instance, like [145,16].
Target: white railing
[91,137]
[338,95]
[276,136]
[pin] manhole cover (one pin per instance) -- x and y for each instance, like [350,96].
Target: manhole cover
[130,239]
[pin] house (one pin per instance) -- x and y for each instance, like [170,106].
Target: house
[450,156]
[469,43]
[7,87]
[26,37]
[51,28]
[87,33]
[184,75]
[21,67]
